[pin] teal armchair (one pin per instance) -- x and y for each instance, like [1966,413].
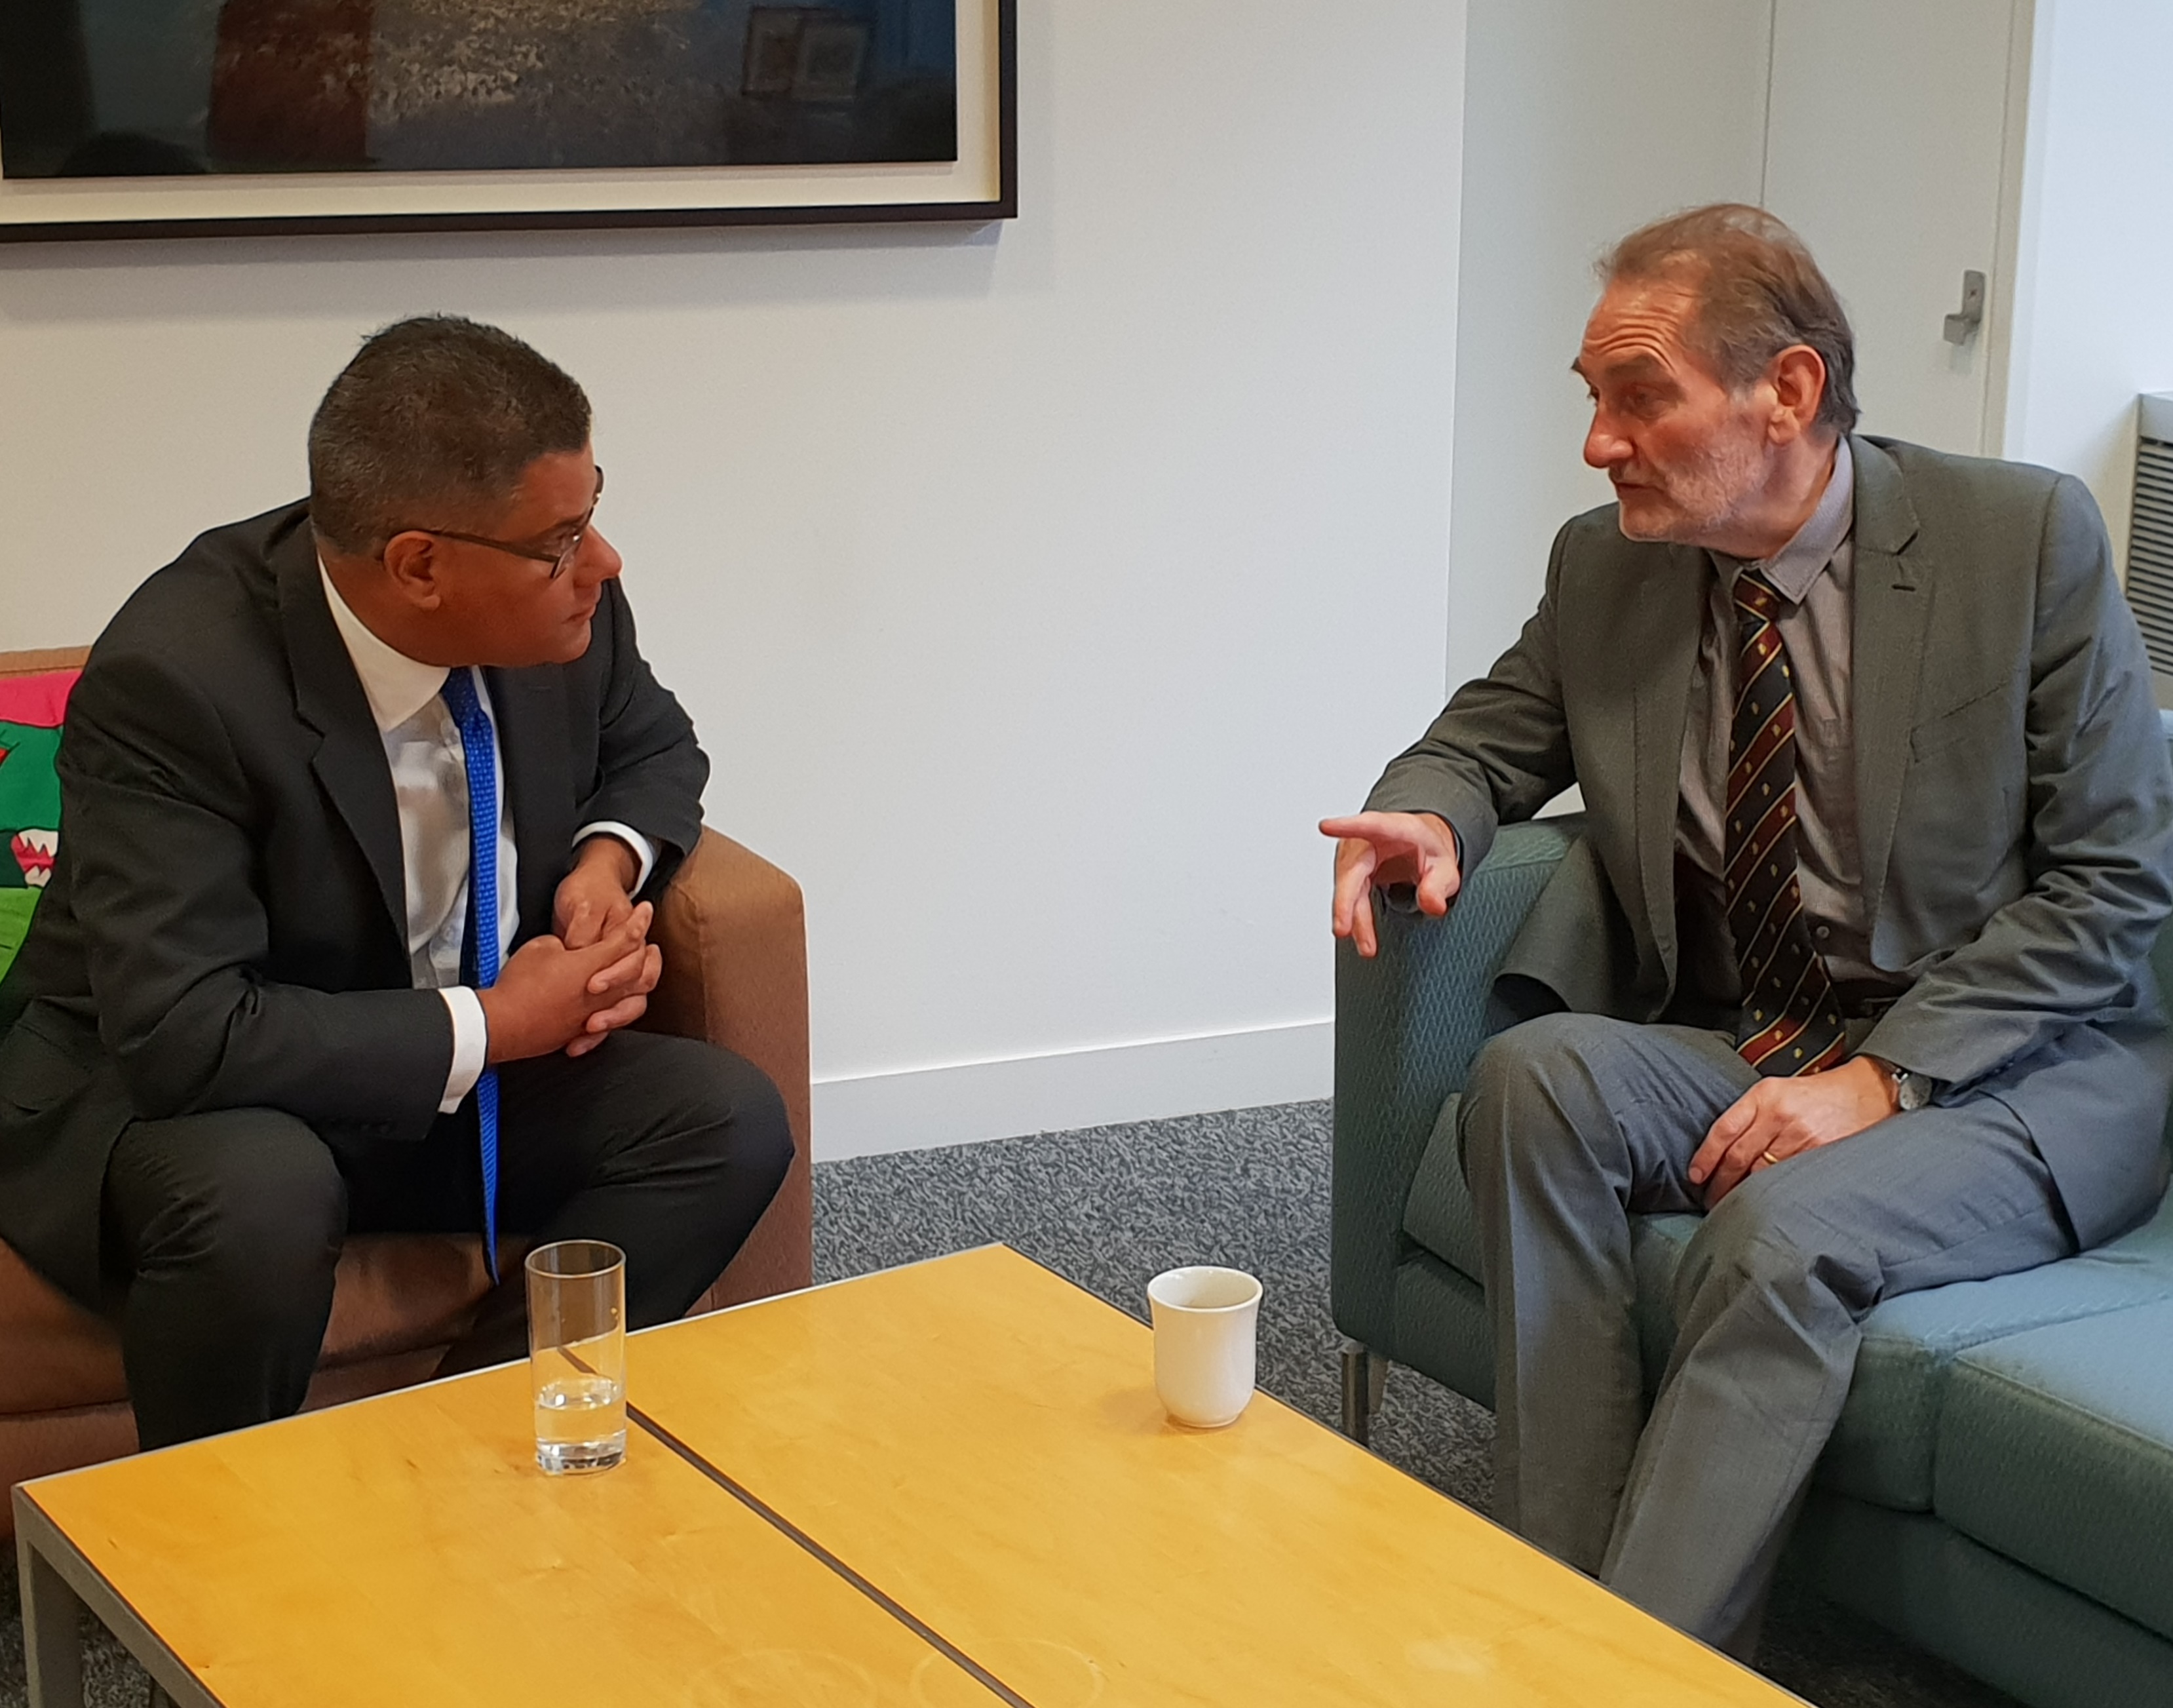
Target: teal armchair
[1999,1490]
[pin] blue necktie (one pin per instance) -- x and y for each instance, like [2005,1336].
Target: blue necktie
[479,955]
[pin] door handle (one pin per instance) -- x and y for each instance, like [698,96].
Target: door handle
[1960,326]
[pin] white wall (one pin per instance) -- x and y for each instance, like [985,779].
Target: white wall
[1583,119]
[1035,589]
[2094,320]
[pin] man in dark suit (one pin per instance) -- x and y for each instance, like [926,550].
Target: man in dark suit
[365,801]
[1853,956]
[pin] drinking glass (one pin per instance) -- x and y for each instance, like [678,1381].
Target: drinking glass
[577,1354]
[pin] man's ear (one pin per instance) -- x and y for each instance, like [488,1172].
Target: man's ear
[1798,379]
[413,562]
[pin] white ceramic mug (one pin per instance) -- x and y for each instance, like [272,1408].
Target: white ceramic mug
[1205,1323]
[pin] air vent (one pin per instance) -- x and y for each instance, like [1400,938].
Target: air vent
[2150,538]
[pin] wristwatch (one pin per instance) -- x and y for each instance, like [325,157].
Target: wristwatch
[1912,1091]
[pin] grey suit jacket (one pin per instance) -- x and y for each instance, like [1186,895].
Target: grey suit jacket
[2014,797]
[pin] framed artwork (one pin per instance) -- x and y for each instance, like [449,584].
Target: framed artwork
[168,118]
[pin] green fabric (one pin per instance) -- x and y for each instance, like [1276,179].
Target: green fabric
[2043,1644]
[1656,1252]
[2056,1448]
[1441,1327]
[29,826]
[1407,1025]
[30,788]
[1439,1214]
[15,906]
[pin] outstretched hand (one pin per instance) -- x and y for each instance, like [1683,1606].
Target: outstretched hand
[1414,848]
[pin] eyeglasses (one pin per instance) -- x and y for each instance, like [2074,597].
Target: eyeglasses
[557,557]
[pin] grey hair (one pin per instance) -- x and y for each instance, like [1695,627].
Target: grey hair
[1759,292]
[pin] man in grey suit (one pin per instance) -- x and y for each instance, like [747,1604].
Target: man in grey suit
[1852,957]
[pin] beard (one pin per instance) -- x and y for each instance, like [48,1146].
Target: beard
[1692,500]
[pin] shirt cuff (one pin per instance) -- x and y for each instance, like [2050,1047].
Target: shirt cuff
[471,1045]
[644,851]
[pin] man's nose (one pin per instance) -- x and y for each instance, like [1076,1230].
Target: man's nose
[598,560]
[1604,446]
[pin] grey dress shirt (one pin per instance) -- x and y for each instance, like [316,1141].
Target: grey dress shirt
[1815,574]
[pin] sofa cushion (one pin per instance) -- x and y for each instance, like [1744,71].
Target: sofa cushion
[2055,1448]
[1884,1447]
[53,1353]
[397,1293]
[393,1294]
[1438,1213]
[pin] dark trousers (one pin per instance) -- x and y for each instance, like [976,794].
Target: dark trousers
[225,1227]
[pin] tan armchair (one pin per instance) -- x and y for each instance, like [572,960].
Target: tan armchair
[735,972]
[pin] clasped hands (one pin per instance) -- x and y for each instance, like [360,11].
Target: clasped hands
[571,989]
[1775,1118]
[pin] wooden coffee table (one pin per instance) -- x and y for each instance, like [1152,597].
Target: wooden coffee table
[948,1484]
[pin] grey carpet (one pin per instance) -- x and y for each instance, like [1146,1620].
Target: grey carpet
[1109,1206]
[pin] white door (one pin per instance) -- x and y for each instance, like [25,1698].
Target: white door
[1890,142]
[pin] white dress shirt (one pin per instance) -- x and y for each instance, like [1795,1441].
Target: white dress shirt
[430,785]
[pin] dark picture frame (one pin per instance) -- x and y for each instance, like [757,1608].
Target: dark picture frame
[793,52]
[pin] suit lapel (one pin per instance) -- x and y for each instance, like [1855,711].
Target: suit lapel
[531,709]
[1660,640]
[349,762]
[1893,603]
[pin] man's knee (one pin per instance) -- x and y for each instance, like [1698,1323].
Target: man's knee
[1522,1079]
[1540,1054]
[731,1112]
[249,1197]
[1767,1238]
[761,1130]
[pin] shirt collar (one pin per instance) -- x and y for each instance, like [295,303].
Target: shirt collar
[1797,565]
[396,686]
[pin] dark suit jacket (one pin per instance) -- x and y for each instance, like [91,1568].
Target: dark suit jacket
[226,923]
[2014,800]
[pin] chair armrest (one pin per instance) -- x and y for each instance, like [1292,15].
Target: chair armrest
[734,934]
[39,660]
[1407,1024]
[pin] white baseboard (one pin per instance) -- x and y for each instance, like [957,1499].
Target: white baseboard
[862,1115]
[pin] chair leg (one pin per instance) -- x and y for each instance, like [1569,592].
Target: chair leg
[1359,1393]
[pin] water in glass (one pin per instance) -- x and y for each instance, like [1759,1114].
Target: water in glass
[577,1354]
[580,1417]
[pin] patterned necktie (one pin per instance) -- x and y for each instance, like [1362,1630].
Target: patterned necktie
[479,950]
[1791,1022]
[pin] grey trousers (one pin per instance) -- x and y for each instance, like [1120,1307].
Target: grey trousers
[1571,1123]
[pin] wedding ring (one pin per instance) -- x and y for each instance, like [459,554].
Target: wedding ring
[1769,1156]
